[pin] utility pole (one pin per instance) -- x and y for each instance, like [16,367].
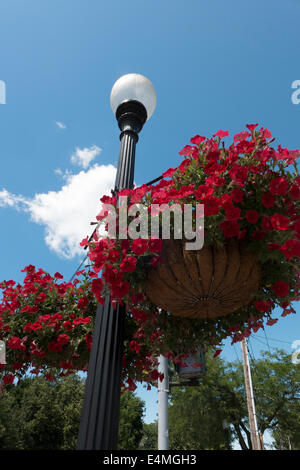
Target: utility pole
[163,416]
[250,398]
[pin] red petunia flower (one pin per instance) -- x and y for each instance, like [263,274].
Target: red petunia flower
[263,305]
[120,290]
[291,248]
[66,365]
[252,216]
[280,222]
[8,379]
[108,200]
[221,134]
[185,191]
[82,303]
[281,288]
[232,212]
[266,134]
[211,205]
[128,264]
[216,181]
[30,269]
[139,246]
[169,172]
[63,339]
[266,224]
[241,136]
[88,339]
[16,343]
[155,245]
[251,127]
[84,242]
[279,186]
[134,346]
[238,174]
[131,384]
[187,150]
[295,192]
[203,191]
[267,200]
[68,325]
[230,228]
[58,276]
[197,139]
[154,375]
[97,286]
[237,195]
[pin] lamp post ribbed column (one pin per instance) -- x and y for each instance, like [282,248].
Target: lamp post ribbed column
[133,100]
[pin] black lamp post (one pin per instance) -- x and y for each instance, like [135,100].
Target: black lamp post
[133,101]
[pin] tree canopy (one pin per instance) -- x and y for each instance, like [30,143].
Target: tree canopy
[36,414]
[214,414]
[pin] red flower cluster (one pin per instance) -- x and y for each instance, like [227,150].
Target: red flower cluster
[34,335]
[249,193]
[245,196]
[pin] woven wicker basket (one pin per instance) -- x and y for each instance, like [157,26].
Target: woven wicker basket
[207,283]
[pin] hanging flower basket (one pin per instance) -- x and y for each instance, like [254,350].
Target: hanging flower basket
[177,300]
[208,283]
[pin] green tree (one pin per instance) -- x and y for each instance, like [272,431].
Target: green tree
[198,415]
[36,414]
[286,434]
[277,387]
[70,398]
[276,384]
[43,415]
[8,432]
[131,421]
[150,437]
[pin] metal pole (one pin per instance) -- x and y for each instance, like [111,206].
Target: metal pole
[163,417]
[99,423]
[250,398]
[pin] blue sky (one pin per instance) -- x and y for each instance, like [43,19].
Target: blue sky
[215,65]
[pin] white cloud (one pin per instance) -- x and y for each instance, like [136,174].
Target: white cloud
[11,200]
[58,172]
[63,174]
[83,157]
[61,125]
[66,214]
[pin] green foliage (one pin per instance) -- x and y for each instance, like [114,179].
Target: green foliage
[45,415]
[42,415]
[36,414]
[131,421]
[197,414]
[150,437]
[276,382]
[8,432]
[287,432]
